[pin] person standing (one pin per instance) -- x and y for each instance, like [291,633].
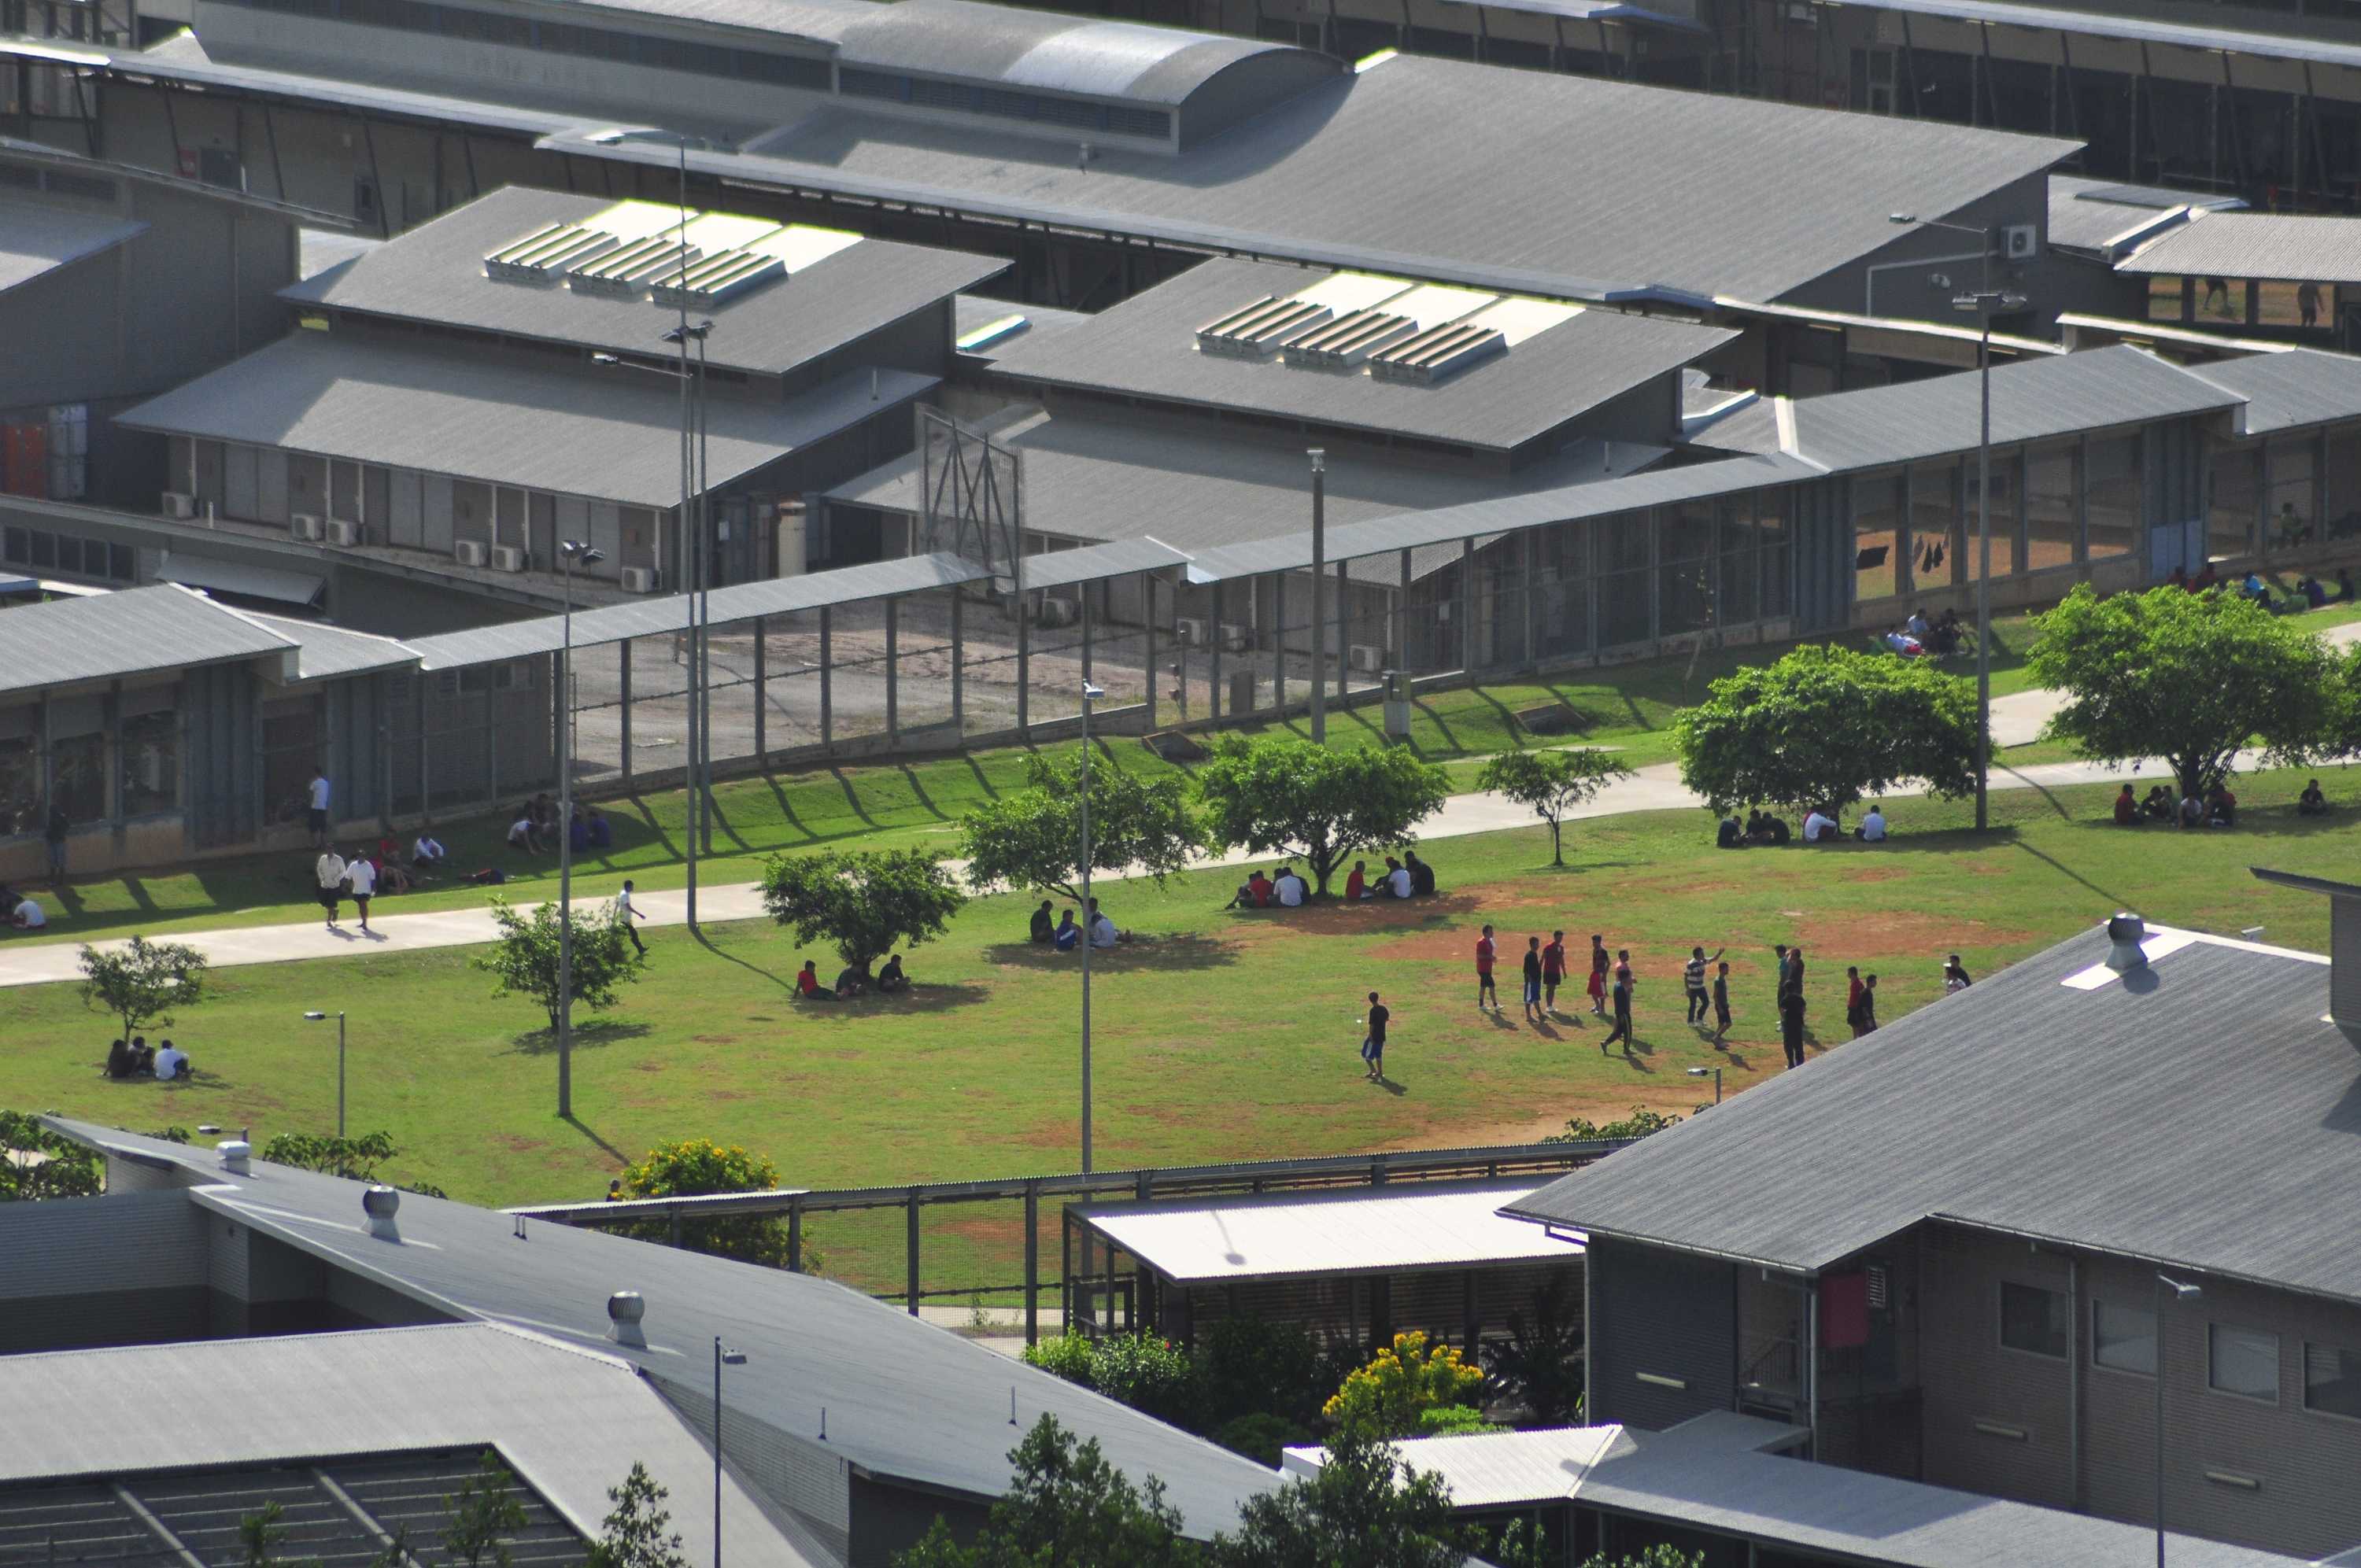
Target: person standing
[1597,976]
[1720,1006]
[329,869]
[58,827]
[1373,1044]
[1484,950]
[1623,993]
[1693,981]
[1869,1005]
[1855,1011]
[1534,979]
[361,877]
[627,912]
[318,799]
[1553,971]
[1791,1005]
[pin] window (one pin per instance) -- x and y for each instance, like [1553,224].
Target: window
[1778,575]
[2002,523]
[1934,523]
[2292,506]
[80,763]
[1623,541]
[151,762]
[2033,1320]
[2236,473]
[20,773]
[2244,1362]
[2123,1338]
[1740,569]
[2332,1380]
[1877,537]
[2051,524]
[2115,501]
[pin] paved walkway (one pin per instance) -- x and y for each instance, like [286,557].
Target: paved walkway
[1656,788]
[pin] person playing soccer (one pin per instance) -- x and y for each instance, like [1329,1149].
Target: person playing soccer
[1534,979]
[1485,949]
[1623,993]
[1598,967]
[1373,1044]
[1553,971]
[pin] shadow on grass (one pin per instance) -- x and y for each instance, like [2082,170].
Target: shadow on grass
[543,1042]
[609,1151]
[919,998]
[1390,1087]
[1182,952]
[2062,868]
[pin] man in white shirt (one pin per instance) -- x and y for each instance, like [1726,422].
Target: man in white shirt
[1872,827]
[524,836]
[319,801]
[626,912]
[1397,881]
[171,1061]
[329,871]
[427,853]
[361,877]
[1291,888]
[27,916]
[1819,826]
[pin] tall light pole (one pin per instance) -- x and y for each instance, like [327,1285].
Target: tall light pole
[721,1358]
[701,619]
[1090,920]
[1319,588]
[319,1017]
[1983,301]
[2181,1293]
[1701,1071]
[571,552]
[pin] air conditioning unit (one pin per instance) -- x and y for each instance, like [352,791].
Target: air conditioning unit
[467,553]
[638,579]
[1192,631]
[178,505]
[307,526]
[344,534]
[1059,612]
[507,558]
[1234,636]
[2020,241]
[1366,659]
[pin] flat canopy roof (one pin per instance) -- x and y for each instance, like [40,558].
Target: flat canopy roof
[572,430]
[2185,35]
[1393,1229]
[2254,244]
[134,632]
[2289,389]
[242,577]
[37,237]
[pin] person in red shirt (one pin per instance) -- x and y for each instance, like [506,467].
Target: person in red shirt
[1261,885]
[2127,812]
[1552,970]
[1484,987]
[1356,886]
[1597,976]
[1854,1010]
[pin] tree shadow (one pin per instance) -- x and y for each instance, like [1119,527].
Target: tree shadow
[1185,951]
[587,1036]
[609,1151]
[1449,740]
[918,999]
[706,942]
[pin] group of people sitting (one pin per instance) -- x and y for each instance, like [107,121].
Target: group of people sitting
[136,1059]
[1919,636]
[2310,593]
[20,911]
[1821,826]
[1407,877]
[534,828]
[2217,807]
[853,982]
[1065,933]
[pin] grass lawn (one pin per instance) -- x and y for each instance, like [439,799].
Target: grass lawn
[1224,1035]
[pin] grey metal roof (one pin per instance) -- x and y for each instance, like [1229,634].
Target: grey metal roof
[2256,1182]
[1091,563]
[137,632]
[905,1400]
[1351,172]
[821,21]
[16,149]
[2254,244]
[1590,11]
[2285,390]
[247,579]
[38,237]
[656,617]
[320,249]
[569,1420]
[2228,41]
[971,311]
[1146,348]
[609,435]
[326,653]
[2105,218]
[436,273]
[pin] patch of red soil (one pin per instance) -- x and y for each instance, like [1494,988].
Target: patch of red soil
[1898,933]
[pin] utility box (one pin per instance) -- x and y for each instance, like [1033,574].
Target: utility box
[1242,693]
[1397,704]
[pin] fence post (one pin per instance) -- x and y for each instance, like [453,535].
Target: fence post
[1344,633]
[893,675]
[1033,1263]
[1024,668]
[623,691]
[1213,705]
[794,1238]
[1467,608]
[826,660]
[959,670]
[1147,621]
[762,747]
[1279,642]
[491,748]
[1402,618]
[425,769]
[1082,598]
[910,1242]
[1533,595]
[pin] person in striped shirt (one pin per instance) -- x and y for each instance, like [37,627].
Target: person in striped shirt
[1693,981]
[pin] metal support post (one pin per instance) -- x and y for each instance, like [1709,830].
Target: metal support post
[1279,641]
[893,672]
[1147,655]
[1032,1263]
[910,1253]
[826,663]
[959,666]
[762,737]
[1319,588]
[1213,702]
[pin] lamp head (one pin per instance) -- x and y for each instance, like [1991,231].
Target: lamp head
[733,1358]
[605,359]
[1901,217]
[1092,692]
[1699,1072]
[315,1018]
[580,552]
[1319,457]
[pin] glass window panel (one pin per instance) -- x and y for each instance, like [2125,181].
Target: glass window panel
[2294,502]
[1685,590]
[1738,589]
[1934,524]
[45,550]
[1564,550]
[2123,1338]
[2002,523]
[1687,532]
[1878,523]
[2112,495]
[1778,584]
[1623,541]
[1562,612]
[2050,491]
[2332,1380]
[69,554]
[2164,299]
[119,563]
[20,783]
[1623,608]
[2243,1361]
[2219,299]
[2236,499]
[1736,514]
[2033,1319]
[79,765]
[151,762]
[16,546]
[2344,482]
[2281,303]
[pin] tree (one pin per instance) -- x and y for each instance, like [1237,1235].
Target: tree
[259,1536]
[1656,1556]
[484,1510]
[866,903]
[1638,1124]
[635,1536]
[694,1167]
[1826,727]
[355,1159]
[2189,677]
[1032,838]
[1540,1364]
[1551,783]
[1363,1507]
[1065,1507]
[2343,738]
[142,982]
[63,1168]
[524,958]
[1401,1382]
[1280,794]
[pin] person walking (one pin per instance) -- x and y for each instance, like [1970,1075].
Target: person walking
[361,877]
[1553,971]
[329,871]
[317,800]
[1693,981]
[1373,1044]
[1622,997]
[627,912]
[1485,949]
[1869,1005]
[1720,1006]
[1534,979]
[1791,1005]
[1597,976]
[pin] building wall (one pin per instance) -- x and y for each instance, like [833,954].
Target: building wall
[1661,1315]
[1967,1377]
[124,1268]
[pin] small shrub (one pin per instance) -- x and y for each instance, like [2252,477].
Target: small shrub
[1150,1375]
[1252,1367]
[1638,1124]
[1386,1398]
[1261,1435]
[1067,1357]
[1454,1421]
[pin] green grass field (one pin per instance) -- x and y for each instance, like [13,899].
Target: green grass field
[1221,1035]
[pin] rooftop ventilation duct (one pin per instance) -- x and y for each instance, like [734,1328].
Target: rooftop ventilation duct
[1436,353]
[1342,344]
[623,273]
[380,1204]
[625,1310]
[542,256]
[711,280]
[1258,331]
[2125,931]
[235,1155]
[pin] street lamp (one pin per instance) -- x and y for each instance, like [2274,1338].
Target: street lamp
[1090,919]
[2182,1293]
[701,622]
[721,1358]
[321,1017]
[1319,585]
[571,552]
[1984,301]
[1701,1071]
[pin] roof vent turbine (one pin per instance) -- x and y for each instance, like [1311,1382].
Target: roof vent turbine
[625,1310]
[2125,931]
[380,1203]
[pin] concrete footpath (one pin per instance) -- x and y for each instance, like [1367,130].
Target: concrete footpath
[1656,788]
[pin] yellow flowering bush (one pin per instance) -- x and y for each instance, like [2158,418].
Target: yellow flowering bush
[1386,1398]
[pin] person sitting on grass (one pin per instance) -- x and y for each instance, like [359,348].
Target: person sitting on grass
[1290,888]
[1730,835]
[1872,827]
[807,985]
[891,978]
[1044,929]
[1262,886]
[2344,589]
[2192,811]
[1947,635]
[1900,642]
[2314,596]
[1822,828]
[1421,875]
[1916,625]
[602,832]
[522,833]
[1356,886]
[120,1062]
[2128,809]
[2157,805]
[2222,808]
[2311,803]
[27,916]
[1068,935]
[171,1062]
[850,981]
[1399,882]
[426,854]
[1103,928]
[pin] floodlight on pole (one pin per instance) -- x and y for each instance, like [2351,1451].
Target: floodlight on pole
[2182,1293]
[1701,1071]
[322,1018]
[722,1357]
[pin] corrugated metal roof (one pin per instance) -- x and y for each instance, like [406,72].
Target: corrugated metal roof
[2254,244]
[436,273]
[569,1420]
[611,435]
[1589,11]
[1091,563]
[242,577]
[36,239]
[657,617]
[1497,1469]
[1390,1229]
[330,652]
[823,21]
[2186,35]
[2285,390]
[134,632]
[2107,217]
[1145,346]
[2258,1184]
[905,1400]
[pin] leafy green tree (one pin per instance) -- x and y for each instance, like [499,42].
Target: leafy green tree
[1540,1364]
[524,959]
[142,982]
[1249,1367]
[695,1167]
[395,1552]
[1551,783]
[355,1160]
[483,1512]
[1032,838]
[1656,1556]
[1066,1508]
[1363,1507]
[36,1164]
[1827,727]
[635,1536]
[865,904]
[2189,677]
[1261,1436]
[1280,794]
[1638,1124]
[2344,736]
[1411,1376]
[260,1535]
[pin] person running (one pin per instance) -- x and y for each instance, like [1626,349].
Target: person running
[1553,971]
[360,875]
[626,912]
[1693,981]
[1955,975]
[1597,976]
[1791,1005]
[1720,1006]
[1485,949]
[1373,1044]
[1534,979]
[1622,995]
[329,871]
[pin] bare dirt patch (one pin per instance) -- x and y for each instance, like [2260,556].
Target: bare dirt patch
[1001,1236]
[1899,934]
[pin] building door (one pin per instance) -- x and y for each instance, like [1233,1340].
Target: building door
[2171,544]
